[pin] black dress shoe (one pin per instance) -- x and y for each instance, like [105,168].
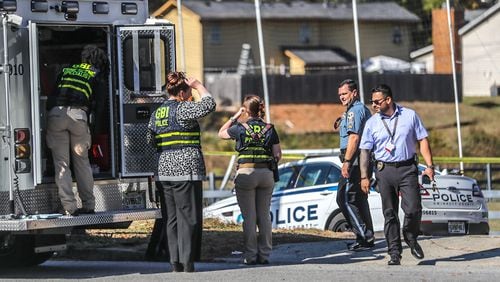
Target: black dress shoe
[177,267]
[416,250]
[361,246]
[395,260]
[188,267]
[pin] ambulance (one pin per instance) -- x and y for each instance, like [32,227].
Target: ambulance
[39,38]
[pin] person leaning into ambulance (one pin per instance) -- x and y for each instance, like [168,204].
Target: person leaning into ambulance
[257,144]
[351,200]
[68,130]
[391,134]
[174,130]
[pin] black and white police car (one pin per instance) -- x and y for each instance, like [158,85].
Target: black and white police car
[305,197]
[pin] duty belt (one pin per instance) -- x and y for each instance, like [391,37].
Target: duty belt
[401,163]
[83,108]
[254,165]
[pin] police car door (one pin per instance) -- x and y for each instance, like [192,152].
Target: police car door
[306,202]
[145,55]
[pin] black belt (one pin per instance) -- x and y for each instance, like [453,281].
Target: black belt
[254,165]
[401,163]
[74,107]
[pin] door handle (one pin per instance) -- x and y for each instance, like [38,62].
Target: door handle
[326,193]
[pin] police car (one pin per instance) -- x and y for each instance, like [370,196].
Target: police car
[305,197]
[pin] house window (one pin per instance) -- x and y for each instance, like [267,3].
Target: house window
[304,34]
[397,37]
[215,36]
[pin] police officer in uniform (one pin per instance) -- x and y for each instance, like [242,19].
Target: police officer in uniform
[257,144]
[392,134]
[352,201]
[67,127]
[174,130]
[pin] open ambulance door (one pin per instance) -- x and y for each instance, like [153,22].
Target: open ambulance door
[145,54]
[36,103]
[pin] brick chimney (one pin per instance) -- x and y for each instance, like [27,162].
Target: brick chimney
[441,40]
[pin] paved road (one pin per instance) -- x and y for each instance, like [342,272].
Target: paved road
[464,258]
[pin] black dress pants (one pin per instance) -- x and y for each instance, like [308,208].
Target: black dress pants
[184,222]
[353,204]
[392,181]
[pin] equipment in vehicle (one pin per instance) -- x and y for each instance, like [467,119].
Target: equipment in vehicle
[39,38]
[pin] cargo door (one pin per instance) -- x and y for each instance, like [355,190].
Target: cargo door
[145,54]
[36,102]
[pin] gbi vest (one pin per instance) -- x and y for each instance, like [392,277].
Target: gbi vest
[75,86]
[253,147]
[168,133]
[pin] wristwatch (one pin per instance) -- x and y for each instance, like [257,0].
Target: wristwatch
[431,166]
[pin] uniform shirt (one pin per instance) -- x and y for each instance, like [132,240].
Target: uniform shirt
[353,121]
[187,163]
[408,131]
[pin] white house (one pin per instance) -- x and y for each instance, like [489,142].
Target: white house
[481,54]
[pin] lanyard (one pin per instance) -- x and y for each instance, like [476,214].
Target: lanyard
[391,134]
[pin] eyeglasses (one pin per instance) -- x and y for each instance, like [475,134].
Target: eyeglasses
[378,102]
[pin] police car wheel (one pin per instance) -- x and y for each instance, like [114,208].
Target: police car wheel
[338,223]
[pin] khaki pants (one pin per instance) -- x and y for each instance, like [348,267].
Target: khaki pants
[254,189]
[68,132]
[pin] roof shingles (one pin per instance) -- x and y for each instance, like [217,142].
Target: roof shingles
[384,11]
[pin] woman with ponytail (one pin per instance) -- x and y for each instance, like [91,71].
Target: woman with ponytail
[257,144]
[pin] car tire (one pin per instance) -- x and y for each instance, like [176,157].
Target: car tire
[338,223]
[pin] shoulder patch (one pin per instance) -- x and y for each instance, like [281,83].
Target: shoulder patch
[350,120]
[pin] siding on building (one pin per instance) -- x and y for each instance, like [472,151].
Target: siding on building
[481,56]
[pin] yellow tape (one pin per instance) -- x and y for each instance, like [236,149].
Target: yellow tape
[476,160]
[469,160]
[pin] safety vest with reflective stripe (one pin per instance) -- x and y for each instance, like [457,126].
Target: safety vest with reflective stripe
[254,149]
[75,85]
[169,134]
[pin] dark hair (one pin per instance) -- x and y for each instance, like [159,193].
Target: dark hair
[254,105]
[351,84]
[95,56]
[384,89]
[176,83]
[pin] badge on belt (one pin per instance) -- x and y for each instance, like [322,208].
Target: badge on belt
[380,166]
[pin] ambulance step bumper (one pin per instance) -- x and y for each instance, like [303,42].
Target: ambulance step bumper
[36,222]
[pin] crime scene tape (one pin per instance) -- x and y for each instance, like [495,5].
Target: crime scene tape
[300,154]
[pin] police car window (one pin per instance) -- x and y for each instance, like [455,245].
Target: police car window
[285,177]
[333,175]
[313,174]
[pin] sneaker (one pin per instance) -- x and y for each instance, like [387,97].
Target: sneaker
[188,267]
[249,262]
[262,261]
[177,267]
[73,213]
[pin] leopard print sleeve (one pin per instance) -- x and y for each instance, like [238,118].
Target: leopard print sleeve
[196,110]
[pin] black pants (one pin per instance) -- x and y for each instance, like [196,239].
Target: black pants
[158,244]
[392,181]
[354,205]
[184,222]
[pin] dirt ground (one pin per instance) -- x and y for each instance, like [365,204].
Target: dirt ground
[219,240]
[308,118]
